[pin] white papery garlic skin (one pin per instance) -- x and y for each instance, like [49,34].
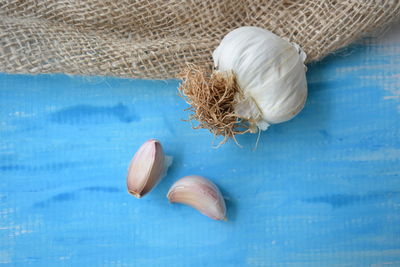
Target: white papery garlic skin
[269,70]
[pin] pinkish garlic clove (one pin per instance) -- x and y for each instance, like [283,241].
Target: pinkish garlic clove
[199,193]
[147,168]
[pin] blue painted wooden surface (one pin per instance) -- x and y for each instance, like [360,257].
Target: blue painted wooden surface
[320,190]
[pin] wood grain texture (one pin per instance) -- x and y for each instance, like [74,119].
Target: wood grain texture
[320,190]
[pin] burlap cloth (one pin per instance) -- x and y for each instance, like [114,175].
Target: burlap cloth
[154,39]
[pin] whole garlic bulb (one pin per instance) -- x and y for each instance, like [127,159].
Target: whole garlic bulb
[269,70]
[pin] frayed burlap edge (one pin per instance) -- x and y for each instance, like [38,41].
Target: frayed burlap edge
[155,39]
[212,96]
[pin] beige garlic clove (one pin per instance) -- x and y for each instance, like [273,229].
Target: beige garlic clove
[147,168]
[199,193]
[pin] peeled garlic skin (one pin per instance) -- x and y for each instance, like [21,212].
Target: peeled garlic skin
[270,71]
[199,193]
[146,168]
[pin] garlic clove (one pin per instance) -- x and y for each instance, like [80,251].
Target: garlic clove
[199,193]
[147,168]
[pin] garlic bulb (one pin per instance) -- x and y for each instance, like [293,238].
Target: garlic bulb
[199,193]
[269,70]
[147,168]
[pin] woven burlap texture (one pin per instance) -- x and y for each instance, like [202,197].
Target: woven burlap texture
[156,38]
